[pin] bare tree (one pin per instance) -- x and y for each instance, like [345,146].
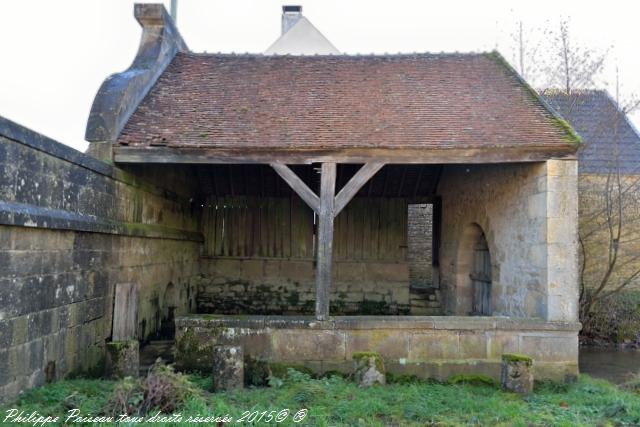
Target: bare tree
[610,202]
[548,57]
[610,222]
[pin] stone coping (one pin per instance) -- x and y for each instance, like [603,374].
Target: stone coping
[376,322]
[32,139]
[23,215]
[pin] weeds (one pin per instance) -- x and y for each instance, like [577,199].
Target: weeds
[335,401]
[162,390]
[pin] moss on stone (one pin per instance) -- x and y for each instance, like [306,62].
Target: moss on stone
[369,307]
[191,355]
[362,356]
[210,316]
[570,134]
[293,299]
[563,125]
[280,370]
[257,372]
[474,379]
[515,357]
[118,346]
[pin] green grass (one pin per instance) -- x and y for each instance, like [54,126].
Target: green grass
[338,402]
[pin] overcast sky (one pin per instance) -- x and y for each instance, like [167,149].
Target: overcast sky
[55,54]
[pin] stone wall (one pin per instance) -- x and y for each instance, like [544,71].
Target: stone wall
[528,213]
[432,347]
[71,227]
[287,286]
[259,257]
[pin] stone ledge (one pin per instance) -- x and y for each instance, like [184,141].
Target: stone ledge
[19,134]
[23,215]
[458,323]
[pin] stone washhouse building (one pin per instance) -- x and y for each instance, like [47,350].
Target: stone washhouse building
[278,202]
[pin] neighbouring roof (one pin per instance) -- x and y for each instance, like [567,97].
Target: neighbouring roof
[390,101]
[609,138]
[302,39]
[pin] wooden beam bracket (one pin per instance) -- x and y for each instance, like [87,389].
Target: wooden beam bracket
[356,182]
[298,185]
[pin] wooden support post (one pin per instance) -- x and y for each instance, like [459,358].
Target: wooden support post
[327,207]
[325,240]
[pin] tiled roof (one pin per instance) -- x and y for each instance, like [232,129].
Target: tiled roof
[421,100]
[608,137]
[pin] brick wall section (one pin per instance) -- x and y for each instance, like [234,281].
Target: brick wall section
[419,223]
[70,229]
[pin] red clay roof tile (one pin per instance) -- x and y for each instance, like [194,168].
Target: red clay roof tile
[421,100]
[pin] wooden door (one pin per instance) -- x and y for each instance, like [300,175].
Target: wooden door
[481,278]
[125,312]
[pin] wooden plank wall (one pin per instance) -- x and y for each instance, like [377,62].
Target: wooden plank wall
[283,227]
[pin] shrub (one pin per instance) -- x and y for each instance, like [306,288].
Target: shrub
[162,389]
[616,319]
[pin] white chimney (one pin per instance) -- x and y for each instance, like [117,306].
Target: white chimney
[290,16]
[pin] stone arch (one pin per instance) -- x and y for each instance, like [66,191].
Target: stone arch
[474,276]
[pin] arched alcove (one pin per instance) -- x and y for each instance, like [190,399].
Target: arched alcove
[473,273]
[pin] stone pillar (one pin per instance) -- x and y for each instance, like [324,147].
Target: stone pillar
[123,359]
[562,240]
[368,369]
[228,367]
[515,374]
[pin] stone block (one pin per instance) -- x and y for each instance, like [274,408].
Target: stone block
[516,374]
[382,272]
[427,346]
[449,369]
[391,344]
[349,271]
[123,359]
[368,369]
[252,270]
[298,271]
[304,345]
[562,167]
[228,367]
[550,348]
[537,205]
[473,345]
[229,268]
